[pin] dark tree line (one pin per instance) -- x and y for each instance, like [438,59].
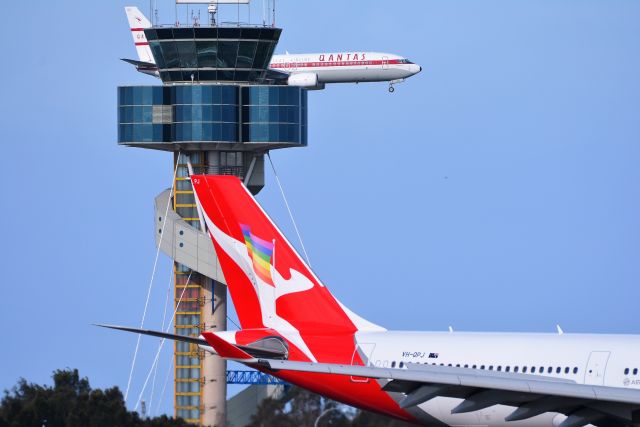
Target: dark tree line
[71,402]
[301,408]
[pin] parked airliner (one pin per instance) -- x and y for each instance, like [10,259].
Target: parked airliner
[309,70]
[295,329]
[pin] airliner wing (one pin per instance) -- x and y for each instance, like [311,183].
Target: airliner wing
[531,395]
[276,76]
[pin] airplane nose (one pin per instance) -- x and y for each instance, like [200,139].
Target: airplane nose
[416,68]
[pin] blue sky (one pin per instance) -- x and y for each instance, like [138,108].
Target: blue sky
[497,190]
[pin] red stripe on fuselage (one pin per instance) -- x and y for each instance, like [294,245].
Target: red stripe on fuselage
[320,64]
[137,29]
[142,44]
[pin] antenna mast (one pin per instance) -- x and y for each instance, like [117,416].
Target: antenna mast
[213,6]
[212,9]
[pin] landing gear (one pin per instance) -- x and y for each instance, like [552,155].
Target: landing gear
[392,82]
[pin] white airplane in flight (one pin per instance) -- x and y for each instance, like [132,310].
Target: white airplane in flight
[296,330]
[309,70]
[314,70]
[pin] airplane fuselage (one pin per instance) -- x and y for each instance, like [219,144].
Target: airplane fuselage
[295,329]
[347,67]
[594,359]
[605,360]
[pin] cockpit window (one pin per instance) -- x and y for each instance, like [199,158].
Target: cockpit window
[404,61]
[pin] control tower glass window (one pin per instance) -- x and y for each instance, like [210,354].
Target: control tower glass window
[213,54]
[159,116]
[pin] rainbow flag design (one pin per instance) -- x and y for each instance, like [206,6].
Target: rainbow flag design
[260,252]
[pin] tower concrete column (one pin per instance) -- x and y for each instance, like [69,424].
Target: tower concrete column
[214,395]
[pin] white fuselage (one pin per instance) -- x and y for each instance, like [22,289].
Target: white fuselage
[607,360]
[347,67]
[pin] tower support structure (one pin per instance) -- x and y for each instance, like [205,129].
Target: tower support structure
[218,111]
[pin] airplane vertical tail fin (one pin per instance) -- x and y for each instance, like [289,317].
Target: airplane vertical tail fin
[138,22]
[270,284]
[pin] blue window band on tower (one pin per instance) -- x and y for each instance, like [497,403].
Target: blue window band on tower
[160,116]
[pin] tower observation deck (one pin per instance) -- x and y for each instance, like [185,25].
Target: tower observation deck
[219,110]
[221,54]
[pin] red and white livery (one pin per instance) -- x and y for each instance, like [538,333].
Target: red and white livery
[145,64]
[314,70]
[295,329]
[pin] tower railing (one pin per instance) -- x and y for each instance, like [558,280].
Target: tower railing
[220,170]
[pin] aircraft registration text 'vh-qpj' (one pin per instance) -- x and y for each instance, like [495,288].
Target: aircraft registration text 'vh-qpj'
[295,329]
[309,70]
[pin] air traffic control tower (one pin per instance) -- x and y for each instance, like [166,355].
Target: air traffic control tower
[217,111]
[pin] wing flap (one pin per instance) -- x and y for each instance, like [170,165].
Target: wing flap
[582,417]
[486,398]
[421,394]
[541,406]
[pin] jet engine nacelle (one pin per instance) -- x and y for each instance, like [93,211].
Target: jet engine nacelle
[305,80]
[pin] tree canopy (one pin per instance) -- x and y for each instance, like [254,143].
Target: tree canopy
[71,402]
[301,408]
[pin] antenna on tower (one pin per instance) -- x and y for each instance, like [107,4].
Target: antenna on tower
[195,18]
[213,6]
[212,9]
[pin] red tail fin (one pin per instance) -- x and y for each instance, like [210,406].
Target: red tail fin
[271,286]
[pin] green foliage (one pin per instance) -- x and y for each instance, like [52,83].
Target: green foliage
[71,403]
[369,419]
[301,408]
[271,412]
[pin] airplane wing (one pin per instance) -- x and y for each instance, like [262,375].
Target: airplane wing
[276,76]
[531,395]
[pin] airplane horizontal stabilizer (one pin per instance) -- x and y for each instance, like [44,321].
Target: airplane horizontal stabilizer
[192,340]
[141,64]
[227,350]
[252,350]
